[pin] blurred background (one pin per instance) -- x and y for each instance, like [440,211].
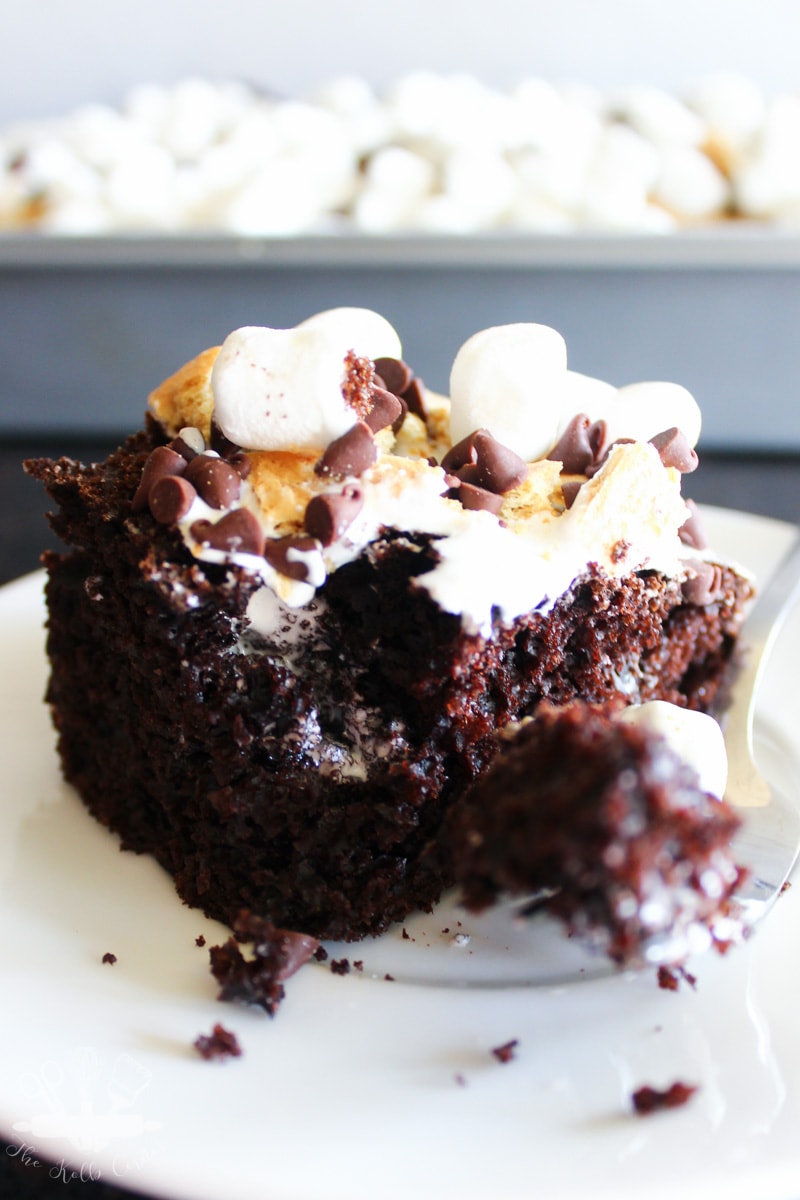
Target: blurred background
[59,54]
[670,252]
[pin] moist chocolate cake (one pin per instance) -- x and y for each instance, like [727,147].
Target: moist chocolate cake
[610,825]
[298,606]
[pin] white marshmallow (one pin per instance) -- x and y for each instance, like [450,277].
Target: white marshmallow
[483,184]
[659,116]
[584,394]
[690,185]
[281,389]
[731,105]
[513,380]
[693,736]
[505,379]
[641,410]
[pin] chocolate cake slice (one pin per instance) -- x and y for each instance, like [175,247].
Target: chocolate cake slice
[297,607]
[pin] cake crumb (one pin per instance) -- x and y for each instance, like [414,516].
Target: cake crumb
[109,958]
[200,940]
[669,978]
[277,954]
[647,1100]
[460,1079]
[341,966]
[787,883]
[358,964]
[506,1052]
[220,1043]
[320,954]
[389,978]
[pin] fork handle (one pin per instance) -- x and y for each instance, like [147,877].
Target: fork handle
[759,634]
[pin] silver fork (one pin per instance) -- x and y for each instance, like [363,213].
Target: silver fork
[769,839]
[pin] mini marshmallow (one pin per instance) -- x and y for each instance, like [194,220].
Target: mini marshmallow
[641,410]
[690,185]
[660,117]
[622,174]
[513,380]
[281,389]
[732,107]
[483,183]
[694,736]
[504,379]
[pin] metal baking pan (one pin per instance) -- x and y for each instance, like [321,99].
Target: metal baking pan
[90,325]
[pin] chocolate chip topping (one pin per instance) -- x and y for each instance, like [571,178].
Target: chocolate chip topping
[414,396]
[219,442]
[477,499]
[386,408]
[218,483]
[691,531]
[160,463]
[238,532]
[279,554]
[485,463]
[674,450]
[350,454]
[189,443]
[171,498]
[241,463]
[396,374]
[580,445]
[569,490]
[703,587]
[328,516]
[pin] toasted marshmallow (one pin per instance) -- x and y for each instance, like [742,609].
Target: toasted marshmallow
[693,736]
[281,389]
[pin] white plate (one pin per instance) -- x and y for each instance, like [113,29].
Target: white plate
[360,1087]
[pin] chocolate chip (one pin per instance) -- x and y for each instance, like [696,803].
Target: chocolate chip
[414,396]
[287,555]
[218,483]
[691,531]
[238,532]
[189,443]
[703,586]
[329,515]
[569,490]
[297,949]
[386,408]
[674,450]
[599,462]
[171,498]
[396,374]
[241,463]
[580,445]
[220,442]
[477,499]
[160,463]
[350,454]
[486,463]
